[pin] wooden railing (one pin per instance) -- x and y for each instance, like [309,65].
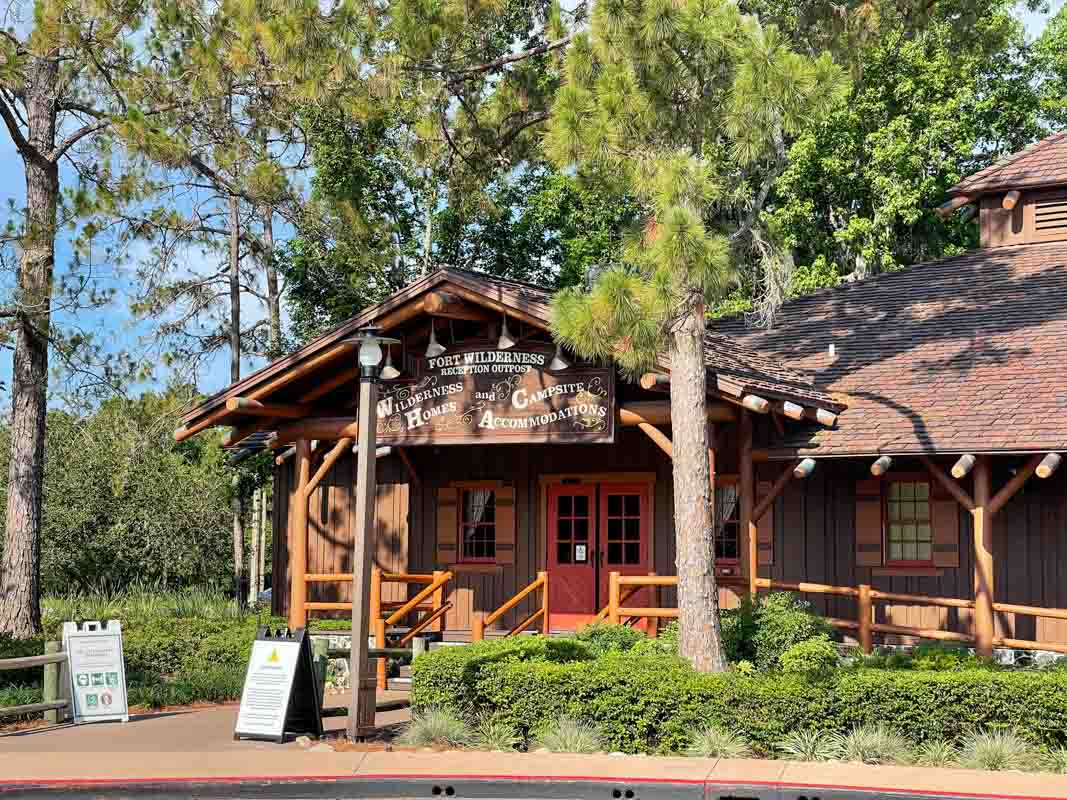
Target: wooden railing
[479,621]
[429,601]
[864,624]
[626,591]
[52,703]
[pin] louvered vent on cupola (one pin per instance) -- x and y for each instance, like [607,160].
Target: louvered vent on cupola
[1050,217]
[1037,216]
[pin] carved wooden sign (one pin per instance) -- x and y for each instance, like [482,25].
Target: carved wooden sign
[497,396]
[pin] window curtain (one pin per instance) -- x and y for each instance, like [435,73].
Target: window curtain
[726,499]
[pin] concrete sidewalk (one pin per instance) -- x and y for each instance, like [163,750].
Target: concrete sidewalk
[259,762]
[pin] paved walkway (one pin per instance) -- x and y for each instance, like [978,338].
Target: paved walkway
[191,745]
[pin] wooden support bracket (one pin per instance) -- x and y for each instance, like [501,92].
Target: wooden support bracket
[964,464]
[881,466]
[1015,484]
[949,485]
[776,489]
[1048,465]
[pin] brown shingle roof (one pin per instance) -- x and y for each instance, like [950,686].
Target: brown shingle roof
[1043,163]
[963,354]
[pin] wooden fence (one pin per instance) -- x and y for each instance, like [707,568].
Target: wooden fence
[620,587]
[54,693]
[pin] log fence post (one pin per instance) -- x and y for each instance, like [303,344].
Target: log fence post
[546,626]
[379,641]
[613,598]
[51,682]
[652,623]
[477,626]
[865,618]
[438,601]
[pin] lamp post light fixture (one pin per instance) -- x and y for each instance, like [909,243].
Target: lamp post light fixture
[361,709]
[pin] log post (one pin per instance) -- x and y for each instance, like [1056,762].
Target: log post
[546,626]
[477,626]
[51,682]
[438,601]
[613,598]
[748,502]
[298,538]
[379,641]
[983,560]
[865,619]
[652,623]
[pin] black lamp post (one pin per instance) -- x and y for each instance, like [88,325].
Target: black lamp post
[361,708]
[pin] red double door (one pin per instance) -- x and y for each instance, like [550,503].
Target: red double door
[593,530]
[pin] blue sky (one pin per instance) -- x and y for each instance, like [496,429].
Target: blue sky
[115,326]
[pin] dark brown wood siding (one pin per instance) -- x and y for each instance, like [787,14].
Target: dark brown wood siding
[814,532]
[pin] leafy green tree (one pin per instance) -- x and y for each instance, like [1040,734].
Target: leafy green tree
[1051,51]
[125,504]
[928,107]
[687,106]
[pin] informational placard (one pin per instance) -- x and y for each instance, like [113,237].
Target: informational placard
[504,396]
[97,671]
[281,695]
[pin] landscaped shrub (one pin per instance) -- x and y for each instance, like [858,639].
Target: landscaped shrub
[450,676]
[781,621]
[938,657]
[567,735]
[641,702]
[603,638]
[937,753]
[997,750]
[436,726]
[714,741]
[19,648]
[813,656]
[1055,761]
[738,631]
[495,734]
[810,745]
[874,744]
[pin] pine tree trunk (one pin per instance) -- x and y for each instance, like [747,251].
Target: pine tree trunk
[253,566]
[700,639]
[274,310]
[235,375]
[20,602]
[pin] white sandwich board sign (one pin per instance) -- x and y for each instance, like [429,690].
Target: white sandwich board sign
[97,671]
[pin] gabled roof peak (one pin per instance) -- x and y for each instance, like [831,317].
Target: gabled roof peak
[1043,163]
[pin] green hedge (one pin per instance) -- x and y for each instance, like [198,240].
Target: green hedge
[652,703]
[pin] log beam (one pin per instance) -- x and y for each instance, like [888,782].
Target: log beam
[964,464]
[948,484]
[881,466]
[446,304]
[1048,465]
[256,408]
[946,209]
[1011,199]
[754,402]
[791,410]
[316,428]
[658,412]
[804,468]
[655,381]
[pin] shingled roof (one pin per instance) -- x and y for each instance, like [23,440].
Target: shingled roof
[1043,163]
[965,354]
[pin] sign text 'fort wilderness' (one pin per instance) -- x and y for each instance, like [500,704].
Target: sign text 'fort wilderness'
[498,395]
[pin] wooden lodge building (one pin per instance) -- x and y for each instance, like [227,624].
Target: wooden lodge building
[890,447]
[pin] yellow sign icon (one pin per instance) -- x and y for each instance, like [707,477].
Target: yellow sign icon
[274,657]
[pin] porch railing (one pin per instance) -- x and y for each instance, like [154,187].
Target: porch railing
[54,694]
[864,624]
[479,621]
[428,601]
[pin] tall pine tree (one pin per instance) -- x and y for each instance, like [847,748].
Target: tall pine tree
[687,105]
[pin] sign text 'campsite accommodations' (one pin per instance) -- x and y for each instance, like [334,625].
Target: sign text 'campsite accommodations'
[498,396]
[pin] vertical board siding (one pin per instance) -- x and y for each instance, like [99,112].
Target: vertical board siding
[814,534]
